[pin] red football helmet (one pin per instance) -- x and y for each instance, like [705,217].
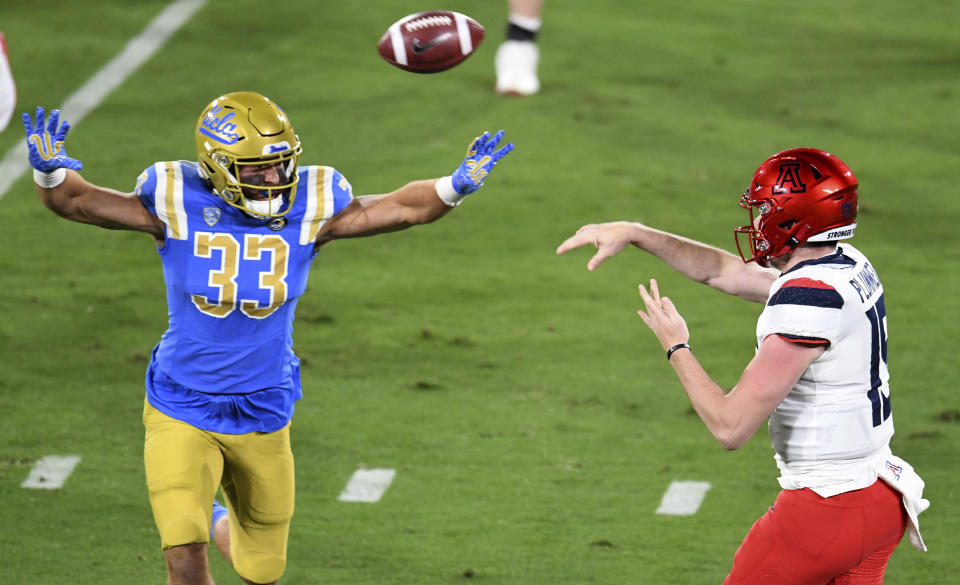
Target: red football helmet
[800,195]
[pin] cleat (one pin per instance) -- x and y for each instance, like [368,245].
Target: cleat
[516,64]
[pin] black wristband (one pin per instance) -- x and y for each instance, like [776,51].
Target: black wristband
[675,348]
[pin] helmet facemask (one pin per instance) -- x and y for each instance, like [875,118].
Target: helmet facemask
[750,237]
[253,195]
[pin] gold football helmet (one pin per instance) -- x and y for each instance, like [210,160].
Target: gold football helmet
[246,129]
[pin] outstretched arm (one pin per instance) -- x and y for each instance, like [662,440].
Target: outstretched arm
[417,202]
[414,203]
[65,192]
[703,263]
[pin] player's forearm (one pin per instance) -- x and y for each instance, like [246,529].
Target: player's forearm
[63,199]
[77,200]
[710,401]
[695,260]
[413,204]
[706,264]
[417,203]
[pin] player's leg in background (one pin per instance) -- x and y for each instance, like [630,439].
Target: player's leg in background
[258,486]
[220,534]
[220,530]
[518,56]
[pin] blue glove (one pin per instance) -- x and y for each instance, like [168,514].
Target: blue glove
[46,145]
[481,157]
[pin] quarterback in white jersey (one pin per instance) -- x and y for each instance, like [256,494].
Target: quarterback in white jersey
[836,420]
[819,376]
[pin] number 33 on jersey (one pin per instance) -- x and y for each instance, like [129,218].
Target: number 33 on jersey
[227,273]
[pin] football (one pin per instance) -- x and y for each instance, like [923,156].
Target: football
[430,42]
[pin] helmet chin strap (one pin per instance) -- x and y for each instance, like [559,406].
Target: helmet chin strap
[798,237]
[264,207]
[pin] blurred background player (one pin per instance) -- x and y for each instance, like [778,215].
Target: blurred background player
[819,376]
[517,57]
[237,233]
[8,91]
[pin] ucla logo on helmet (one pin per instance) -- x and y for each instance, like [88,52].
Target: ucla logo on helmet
[211,215]
[219,128]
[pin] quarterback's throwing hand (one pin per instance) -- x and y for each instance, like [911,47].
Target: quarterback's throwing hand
[482,156]
[608,238]
[45,145]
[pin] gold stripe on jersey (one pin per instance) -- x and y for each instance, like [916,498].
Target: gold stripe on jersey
[168,199]
[319,200]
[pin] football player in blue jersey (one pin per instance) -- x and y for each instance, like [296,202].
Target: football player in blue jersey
[819,377]
[236,232]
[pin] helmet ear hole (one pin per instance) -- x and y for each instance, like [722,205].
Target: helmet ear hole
[786,225]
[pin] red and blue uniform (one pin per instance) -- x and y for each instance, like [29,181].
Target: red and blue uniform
[846,498]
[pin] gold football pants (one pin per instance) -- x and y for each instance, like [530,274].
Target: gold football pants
[185,465]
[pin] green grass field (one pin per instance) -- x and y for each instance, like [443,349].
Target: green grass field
[530,415]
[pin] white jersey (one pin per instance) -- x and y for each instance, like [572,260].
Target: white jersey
[832,432]
[836,422]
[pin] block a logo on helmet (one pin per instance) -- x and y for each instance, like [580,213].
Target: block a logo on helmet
[796,196]
[246,129]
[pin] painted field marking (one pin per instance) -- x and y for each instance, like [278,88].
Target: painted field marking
[683,498]
[104,81]
[367,485]
[50,472]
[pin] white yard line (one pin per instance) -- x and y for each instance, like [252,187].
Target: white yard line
[50,472]
[104,81]
[367,485]
[683,498]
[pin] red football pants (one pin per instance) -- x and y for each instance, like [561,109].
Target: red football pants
[805,539]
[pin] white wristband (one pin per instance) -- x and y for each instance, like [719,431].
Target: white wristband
[447,193]
[49,180]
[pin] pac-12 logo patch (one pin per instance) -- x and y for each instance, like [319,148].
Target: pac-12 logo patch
[211,215]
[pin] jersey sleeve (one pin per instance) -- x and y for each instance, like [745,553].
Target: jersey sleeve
[803,310]
[146,188]
[160,188]
[342,191]
[326,193]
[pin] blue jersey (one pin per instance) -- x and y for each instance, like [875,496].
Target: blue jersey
[226,362]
